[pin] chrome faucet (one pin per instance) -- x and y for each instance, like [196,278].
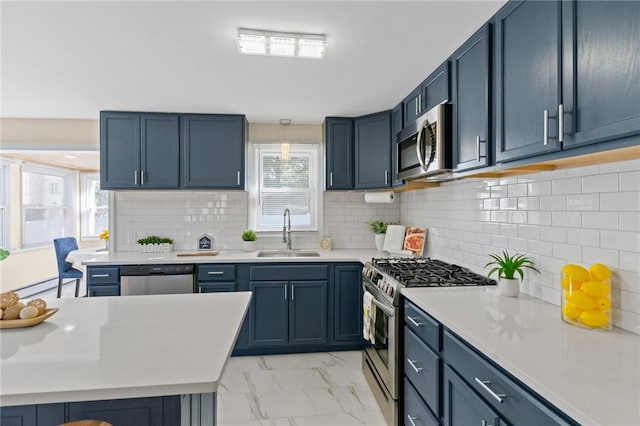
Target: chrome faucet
[286,229]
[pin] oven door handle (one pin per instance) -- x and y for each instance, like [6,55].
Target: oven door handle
[387,311]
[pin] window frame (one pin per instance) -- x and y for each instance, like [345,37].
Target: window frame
[5,174]
[86,209]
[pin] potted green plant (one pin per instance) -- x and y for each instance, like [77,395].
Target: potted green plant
[249,240]
[506,267]
[379,228]
[153,244]
[4,254]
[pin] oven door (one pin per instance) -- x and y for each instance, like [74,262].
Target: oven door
[383,352]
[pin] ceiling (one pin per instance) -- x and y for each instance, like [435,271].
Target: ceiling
[73,59]
[87,161]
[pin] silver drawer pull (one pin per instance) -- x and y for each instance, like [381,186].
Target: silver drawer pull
[411,419]
[414,322]
[215,273]
[545,127]
[484,423]
[100,276]
[413,365]
[497,396]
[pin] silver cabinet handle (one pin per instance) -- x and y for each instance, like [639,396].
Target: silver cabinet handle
[413,364]
[141,177]
[135,177]
[420,102]
[293,292]
[238,177]
[411,419]
[414,322]
[545,128]
[560,123]
[330,179]
[386,177]
[215,273]
[497,396]
[478,142]
[100,276]
[285,292]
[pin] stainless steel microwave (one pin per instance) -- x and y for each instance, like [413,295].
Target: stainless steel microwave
[424,147]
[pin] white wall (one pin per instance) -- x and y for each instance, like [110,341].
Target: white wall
[580,215]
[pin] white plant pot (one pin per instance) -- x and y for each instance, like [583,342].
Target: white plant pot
[249,245]
[379,241]
[509,287]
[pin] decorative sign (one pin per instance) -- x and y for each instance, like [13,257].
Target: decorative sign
[205,243]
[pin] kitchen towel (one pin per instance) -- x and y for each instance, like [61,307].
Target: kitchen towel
[368,326]
[379,197]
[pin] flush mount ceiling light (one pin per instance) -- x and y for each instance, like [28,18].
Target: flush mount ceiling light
[289,45]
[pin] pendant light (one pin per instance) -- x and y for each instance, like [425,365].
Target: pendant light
[284,145]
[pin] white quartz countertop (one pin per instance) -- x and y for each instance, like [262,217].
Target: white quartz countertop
[591,375]
[230,256]
[122,347]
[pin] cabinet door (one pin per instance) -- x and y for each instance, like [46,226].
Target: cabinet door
[396,126]
[18,416]
[412,106]
[119,150]
[471,113]
[338,133]
[269,313]
[103,290]
[308,312]
[156,411]
[160,153]
[347,303]
[527,52]
[601,70]
[373,151]
[435,88]
[462,407]
[213,149]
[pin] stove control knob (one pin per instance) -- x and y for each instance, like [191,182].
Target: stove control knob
[390,291]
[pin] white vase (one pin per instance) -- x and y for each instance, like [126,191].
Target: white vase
[509,287]
[379,241]
[249,245]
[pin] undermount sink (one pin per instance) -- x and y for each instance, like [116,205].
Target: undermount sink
[288,253]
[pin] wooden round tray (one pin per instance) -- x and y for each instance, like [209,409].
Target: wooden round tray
[19,323]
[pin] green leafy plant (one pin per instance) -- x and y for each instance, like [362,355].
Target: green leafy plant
[507,266]
[379,227]
[249,235]
[154,240]
[4,254]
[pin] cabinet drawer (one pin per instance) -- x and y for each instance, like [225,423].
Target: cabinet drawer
[286,273]
[216,272]
[217,287]
[422,368]
[104,290]
[415,411]
[103,275]
[515,403]
[422,325]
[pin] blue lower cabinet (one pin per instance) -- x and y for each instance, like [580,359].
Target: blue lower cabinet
[308,313]
[216,287]
[103,290]
[415,410]
[269,313]
[156,411]
[347,303]
[463,407]
[422,368]
[103,281]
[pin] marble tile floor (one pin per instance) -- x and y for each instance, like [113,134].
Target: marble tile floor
[315,389]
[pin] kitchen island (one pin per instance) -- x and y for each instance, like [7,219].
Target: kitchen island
[123,348]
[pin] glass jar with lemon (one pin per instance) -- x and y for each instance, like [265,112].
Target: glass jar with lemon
[586,296]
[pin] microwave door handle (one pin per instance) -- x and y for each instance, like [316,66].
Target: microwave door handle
[419,146]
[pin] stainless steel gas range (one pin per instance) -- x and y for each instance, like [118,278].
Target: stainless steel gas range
[383,278]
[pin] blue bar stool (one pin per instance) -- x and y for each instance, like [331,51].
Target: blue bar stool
[63,246]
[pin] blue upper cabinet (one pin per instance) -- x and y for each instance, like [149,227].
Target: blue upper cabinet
[338,136]
[601,71]
[471,110]
[373,151]
[527,54]
[138,151]
[432,91]
[213,149]
[397,124]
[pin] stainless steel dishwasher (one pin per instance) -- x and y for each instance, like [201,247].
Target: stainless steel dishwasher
[156,279]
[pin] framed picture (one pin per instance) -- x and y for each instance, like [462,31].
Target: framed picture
[205,243]
[414,240]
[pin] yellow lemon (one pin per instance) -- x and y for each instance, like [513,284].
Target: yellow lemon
[582,300]
[568,283]
[575,272]
[599,271]
[571,311]
[594,318]
[595,288]
[603,303]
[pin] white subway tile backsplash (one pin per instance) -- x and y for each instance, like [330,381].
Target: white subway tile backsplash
[630,181]
[529,203]
[620,166]
[539,218]
[600,220]
[553,202]
[567,219]
[550,233]
[566,186]
[620,201]
[600,183]
[583,237]
[630,261]
[517,190]
[583,202]
[629,221]
[591,255]
[539,188]
[621,240]
[569,252]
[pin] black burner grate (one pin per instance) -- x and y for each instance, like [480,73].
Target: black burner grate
[426,272]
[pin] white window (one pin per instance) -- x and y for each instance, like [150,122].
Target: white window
[278,183]
[47,207]
[4,204]
[94,206]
